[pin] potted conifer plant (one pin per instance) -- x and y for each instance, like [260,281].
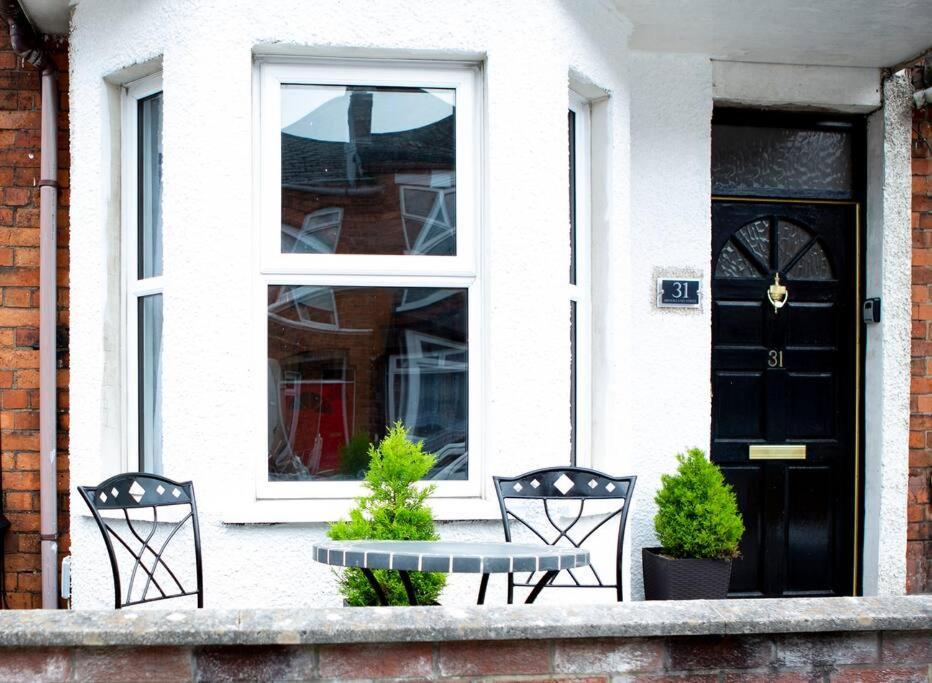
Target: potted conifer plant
[394,510]
[699,527]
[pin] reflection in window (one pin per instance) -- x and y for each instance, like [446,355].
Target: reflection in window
[149,428]
[149,199]
[308,305]
[383,156]
[571,126]
[318,234]
[428,215]
[574,370]
[428,392]
[144,292]
[345,362]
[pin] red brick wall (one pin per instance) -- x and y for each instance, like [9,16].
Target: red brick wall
[19,317]
[791,658]
[919,511]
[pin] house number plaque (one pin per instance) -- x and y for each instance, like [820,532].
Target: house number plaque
[678,292]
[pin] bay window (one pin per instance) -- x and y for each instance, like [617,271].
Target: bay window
[368,276]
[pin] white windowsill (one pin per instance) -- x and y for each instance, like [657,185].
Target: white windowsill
[307,511]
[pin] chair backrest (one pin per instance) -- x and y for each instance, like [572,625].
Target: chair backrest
[146,540]
[561,484]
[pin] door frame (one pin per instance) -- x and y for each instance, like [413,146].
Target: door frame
[857,126]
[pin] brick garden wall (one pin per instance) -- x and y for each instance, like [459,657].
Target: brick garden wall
[919,510]
[19,317]
[863,656]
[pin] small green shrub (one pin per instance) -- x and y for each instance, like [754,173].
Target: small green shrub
[697,513]
[395,509]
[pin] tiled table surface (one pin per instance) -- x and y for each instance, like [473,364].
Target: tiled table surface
[449,556]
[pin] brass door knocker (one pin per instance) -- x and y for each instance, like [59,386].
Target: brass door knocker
[777,294]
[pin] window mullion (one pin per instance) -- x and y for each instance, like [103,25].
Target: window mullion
[151,285]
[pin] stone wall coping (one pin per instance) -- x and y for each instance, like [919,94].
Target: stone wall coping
[190,627]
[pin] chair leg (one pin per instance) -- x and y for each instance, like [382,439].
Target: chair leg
[409,587]
[483,584]
[379,593]
[544,580]
[619,581]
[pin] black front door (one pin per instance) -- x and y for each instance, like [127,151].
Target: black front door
[785,333]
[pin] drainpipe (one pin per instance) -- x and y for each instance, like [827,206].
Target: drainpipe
[27,46]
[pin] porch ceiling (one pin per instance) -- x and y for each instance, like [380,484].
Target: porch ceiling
[48,16]
[867,33]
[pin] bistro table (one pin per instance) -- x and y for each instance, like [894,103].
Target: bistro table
[450,557]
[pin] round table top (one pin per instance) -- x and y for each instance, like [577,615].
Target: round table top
[449,556]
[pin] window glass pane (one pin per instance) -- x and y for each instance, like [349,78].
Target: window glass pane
[781,162]
[573,382]
[382,159]
[150,187]
[150,383]
[345,362]
[572,185]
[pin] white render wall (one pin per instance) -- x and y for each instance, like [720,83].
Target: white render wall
[650,368]
[667,379]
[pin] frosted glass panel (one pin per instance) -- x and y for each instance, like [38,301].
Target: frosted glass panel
[756,237]
[800,256]
[813,265]
[790,239]
[781,162]
[732,264]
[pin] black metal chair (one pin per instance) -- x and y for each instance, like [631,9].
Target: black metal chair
[566,483]
[139,491]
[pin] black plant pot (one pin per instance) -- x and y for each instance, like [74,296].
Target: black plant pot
[667,578]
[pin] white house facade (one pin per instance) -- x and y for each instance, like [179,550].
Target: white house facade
[293,223]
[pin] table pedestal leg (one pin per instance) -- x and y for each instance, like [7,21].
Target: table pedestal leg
[544,580]
[379,592]
[409,587]
[482,586]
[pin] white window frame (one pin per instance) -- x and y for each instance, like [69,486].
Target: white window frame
[132,288]
[463,78]
[581,292]
[461,271]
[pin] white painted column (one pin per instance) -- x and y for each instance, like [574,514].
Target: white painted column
[886,380]
[666,359]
